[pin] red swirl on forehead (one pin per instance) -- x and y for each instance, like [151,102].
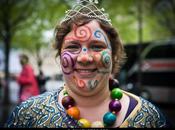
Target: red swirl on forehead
[82,33]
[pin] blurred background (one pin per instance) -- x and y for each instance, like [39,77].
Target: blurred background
[147,29]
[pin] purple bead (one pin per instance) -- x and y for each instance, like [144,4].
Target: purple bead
[114,106]
[68,102]
[113,83]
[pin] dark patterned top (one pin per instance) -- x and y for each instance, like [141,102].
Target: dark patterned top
[147,117]
[44,111]
[144,115]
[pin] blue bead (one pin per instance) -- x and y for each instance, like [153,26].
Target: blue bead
[109,119]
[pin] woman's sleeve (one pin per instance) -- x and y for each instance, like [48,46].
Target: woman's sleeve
[13,120]
[21,116]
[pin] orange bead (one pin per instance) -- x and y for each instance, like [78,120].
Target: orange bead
[74,112]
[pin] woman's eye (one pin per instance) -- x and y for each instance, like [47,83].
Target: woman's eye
[72,47]
[97,47]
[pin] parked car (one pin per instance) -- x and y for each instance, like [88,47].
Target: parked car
[157,72]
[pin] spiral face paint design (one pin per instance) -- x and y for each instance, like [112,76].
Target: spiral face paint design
[106,59]
[82,33]
[67,63]
[92,84]
[80,83]
[99,34]
[94,48]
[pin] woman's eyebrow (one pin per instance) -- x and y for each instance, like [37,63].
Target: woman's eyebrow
[97,41]
[72,42]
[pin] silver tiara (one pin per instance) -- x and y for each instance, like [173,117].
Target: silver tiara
[91,11]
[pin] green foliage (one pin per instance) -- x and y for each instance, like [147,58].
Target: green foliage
[38,16]
[44,18]
[156,24]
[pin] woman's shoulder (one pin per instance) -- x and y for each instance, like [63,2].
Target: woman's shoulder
[36,110]
[46,98]
[144,114]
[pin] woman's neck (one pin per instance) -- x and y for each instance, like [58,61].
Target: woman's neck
[93,100]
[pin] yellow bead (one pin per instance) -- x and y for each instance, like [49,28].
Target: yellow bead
[84,123]
[97,124]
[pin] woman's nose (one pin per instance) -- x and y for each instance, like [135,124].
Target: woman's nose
[85,59]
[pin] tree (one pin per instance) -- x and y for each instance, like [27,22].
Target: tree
[22,22]
[11,16]
[30,37]
[164,11]
[158,18]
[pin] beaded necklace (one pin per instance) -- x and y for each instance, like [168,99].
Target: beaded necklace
[109,117]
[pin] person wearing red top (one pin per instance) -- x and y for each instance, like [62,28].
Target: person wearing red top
[27,80]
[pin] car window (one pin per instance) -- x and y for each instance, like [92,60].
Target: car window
[161,52]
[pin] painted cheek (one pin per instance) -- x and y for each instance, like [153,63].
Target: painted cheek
[106,59]
[103,59]
[97,57]
[67,62]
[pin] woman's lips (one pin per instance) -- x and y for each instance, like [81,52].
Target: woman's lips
[86,73]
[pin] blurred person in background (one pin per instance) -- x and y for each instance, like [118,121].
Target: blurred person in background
[42,80]
[26,80]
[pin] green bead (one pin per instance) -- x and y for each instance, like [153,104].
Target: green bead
[109,119]
[65,93]
[116,93]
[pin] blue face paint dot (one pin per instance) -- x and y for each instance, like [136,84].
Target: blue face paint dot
[84,49]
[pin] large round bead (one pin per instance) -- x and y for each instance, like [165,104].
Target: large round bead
[115,106]
[113,83]
[116,93]
[84,123]
[109,119]
[74,112]
[97,124]
[67,102]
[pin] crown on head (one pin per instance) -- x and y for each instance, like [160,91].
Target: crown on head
[91,11]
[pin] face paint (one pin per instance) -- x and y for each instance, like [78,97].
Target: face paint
[82,33]
[67,63]
[83,66]
[92,84]
[106,59]
[99,34]
[84,57]
[80,83]
[84,49]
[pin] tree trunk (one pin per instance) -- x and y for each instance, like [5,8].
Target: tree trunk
[7,79]
[6,100]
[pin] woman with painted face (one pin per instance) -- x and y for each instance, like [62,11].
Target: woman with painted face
[90,51]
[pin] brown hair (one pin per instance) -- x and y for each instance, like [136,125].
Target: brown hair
[118,54]
[24,59]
